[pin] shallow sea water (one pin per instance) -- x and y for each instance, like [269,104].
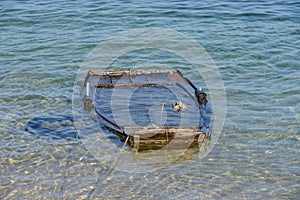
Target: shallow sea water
[255,46]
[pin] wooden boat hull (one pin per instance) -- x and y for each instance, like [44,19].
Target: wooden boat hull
[105,92]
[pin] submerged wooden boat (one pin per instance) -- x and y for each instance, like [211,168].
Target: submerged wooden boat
[140,107]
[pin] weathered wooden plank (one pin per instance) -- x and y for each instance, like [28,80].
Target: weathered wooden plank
[139,72]
[108,72]
[178,143]
[121,72]
[161,127]
[133,85]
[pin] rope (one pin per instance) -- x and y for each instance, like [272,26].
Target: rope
[108,173]
[117,159]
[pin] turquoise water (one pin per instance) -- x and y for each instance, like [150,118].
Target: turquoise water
[255,46]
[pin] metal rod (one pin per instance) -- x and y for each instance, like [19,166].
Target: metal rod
[87,89]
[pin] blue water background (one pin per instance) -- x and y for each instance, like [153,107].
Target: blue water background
[255,46]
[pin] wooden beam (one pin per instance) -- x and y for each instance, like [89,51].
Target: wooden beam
[133,85]
[160,127]
[120,72]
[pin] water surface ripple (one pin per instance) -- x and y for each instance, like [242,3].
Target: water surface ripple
[254,44]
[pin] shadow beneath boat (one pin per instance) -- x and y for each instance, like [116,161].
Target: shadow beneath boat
[55,127]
